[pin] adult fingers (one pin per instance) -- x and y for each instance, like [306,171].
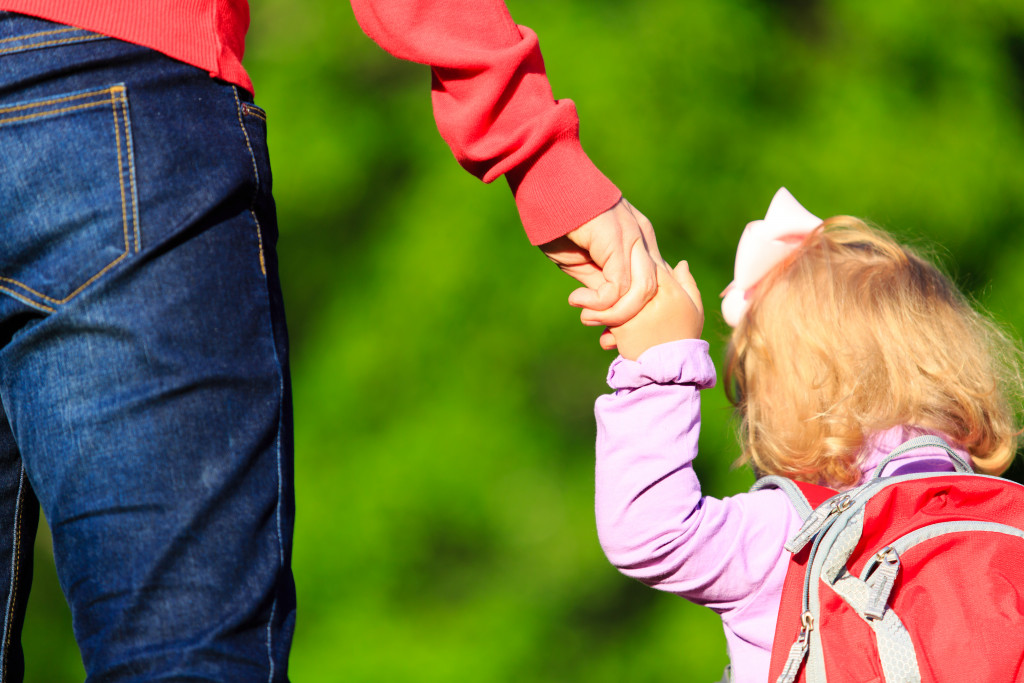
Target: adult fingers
[588,275]
[594,297]
[607,340]
[644,284]
[607,239]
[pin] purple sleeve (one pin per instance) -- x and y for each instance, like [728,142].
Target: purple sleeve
[653,522]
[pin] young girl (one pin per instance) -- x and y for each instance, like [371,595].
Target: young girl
[844,345]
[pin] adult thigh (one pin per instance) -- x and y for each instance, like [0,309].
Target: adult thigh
[144,365]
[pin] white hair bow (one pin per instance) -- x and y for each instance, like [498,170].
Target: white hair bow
[763,245]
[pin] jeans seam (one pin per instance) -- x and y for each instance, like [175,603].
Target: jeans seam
[280,495]
[116,95]
[270,647]
[256,172]
[84,37]
[280,484]
[15,565]
[37,34]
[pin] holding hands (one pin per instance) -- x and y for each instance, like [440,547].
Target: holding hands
[627,285]
[675,313]
[614,256]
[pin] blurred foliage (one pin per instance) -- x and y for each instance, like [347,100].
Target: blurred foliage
[443,391]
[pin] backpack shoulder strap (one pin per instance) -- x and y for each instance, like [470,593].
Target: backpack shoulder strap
[787,626]
[925,441]
[805,497]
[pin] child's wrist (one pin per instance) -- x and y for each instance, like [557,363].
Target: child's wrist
[663,347]
[684,361]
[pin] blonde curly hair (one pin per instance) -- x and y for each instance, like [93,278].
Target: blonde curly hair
[855,334]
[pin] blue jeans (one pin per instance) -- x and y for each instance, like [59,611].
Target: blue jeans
[143,361]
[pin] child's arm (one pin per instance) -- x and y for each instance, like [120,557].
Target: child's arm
[653,521]
[675,313]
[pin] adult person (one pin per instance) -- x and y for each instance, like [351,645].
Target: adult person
[144,359]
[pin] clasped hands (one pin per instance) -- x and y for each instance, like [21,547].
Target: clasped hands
[627,286]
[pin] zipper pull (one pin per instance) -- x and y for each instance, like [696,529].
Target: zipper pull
[798,652]
[816,522]
[881,582]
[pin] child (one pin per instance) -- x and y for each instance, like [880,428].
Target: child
[844,345]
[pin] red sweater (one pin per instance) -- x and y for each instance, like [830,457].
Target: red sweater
[492,100]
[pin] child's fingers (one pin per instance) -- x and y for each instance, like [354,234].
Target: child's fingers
[647,231]
[684,277]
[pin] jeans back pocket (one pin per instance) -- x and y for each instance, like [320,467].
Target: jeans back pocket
[68,207]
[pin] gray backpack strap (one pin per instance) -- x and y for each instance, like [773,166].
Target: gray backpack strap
[896,650]
[925,441]
[796,496]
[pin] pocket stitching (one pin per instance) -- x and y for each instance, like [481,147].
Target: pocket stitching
[54,112]
[117,95]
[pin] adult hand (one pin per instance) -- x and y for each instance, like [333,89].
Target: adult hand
[675,312]
[614,256]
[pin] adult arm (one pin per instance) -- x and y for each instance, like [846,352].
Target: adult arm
[652,519]
[494,107]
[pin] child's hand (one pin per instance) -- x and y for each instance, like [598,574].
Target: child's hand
[675,312]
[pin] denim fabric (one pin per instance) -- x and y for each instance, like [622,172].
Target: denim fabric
[143,361]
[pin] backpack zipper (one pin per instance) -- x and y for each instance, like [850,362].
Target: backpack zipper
[882,582]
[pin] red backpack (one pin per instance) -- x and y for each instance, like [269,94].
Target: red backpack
[905,579]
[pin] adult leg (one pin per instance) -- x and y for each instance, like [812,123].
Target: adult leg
[145,373]
[19,519]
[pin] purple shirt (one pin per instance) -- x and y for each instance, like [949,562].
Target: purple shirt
[654,524]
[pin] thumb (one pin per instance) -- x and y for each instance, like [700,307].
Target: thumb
[685,279]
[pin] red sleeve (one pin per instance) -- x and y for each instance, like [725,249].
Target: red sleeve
[493,106]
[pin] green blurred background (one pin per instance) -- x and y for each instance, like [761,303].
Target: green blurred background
[443,389]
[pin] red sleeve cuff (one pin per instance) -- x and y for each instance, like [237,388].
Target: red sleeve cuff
[560,190]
